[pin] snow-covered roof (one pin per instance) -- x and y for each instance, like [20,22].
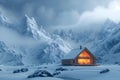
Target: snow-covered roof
[73,53]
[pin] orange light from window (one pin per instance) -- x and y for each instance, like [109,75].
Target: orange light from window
[84,54]
[83,61]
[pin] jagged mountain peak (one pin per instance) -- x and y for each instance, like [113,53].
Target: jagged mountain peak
[52,49]
[39,33]
[36,31]
[109,24]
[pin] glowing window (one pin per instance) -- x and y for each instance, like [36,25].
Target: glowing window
[84,54]
[84,61]
[84,58]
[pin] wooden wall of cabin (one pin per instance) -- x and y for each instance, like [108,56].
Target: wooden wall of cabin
[67,62]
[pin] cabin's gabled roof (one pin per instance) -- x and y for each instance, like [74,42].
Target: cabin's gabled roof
[74,53]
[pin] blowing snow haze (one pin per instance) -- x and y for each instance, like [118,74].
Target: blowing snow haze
[42,31]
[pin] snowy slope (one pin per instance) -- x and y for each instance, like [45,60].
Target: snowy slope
[71,72]
[109,42]
[7,56]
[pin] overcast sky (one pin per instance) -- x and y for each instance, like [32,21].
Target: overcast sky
[62,12]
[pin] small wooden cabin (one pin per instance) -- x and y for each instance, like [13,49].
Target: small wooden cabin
[81,56]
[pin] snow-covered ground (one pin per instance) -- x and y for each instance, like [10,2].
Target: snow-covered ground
[70,72]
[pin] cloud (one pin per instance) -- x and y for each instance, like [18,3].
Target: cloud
[61,13]
[90,18]
[67,18]
[100,14]
[49,13]
[13,38]
[56,14]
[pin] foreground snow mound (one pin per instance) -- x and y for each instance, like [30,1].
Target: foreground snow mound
[7,56]
[40,73]
[48,72]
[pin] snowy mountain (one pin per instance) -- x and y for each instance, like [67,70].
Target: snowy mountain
[107,47]
[50,48]
[104,43]
[46,48]
[8,56]
[38,33]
